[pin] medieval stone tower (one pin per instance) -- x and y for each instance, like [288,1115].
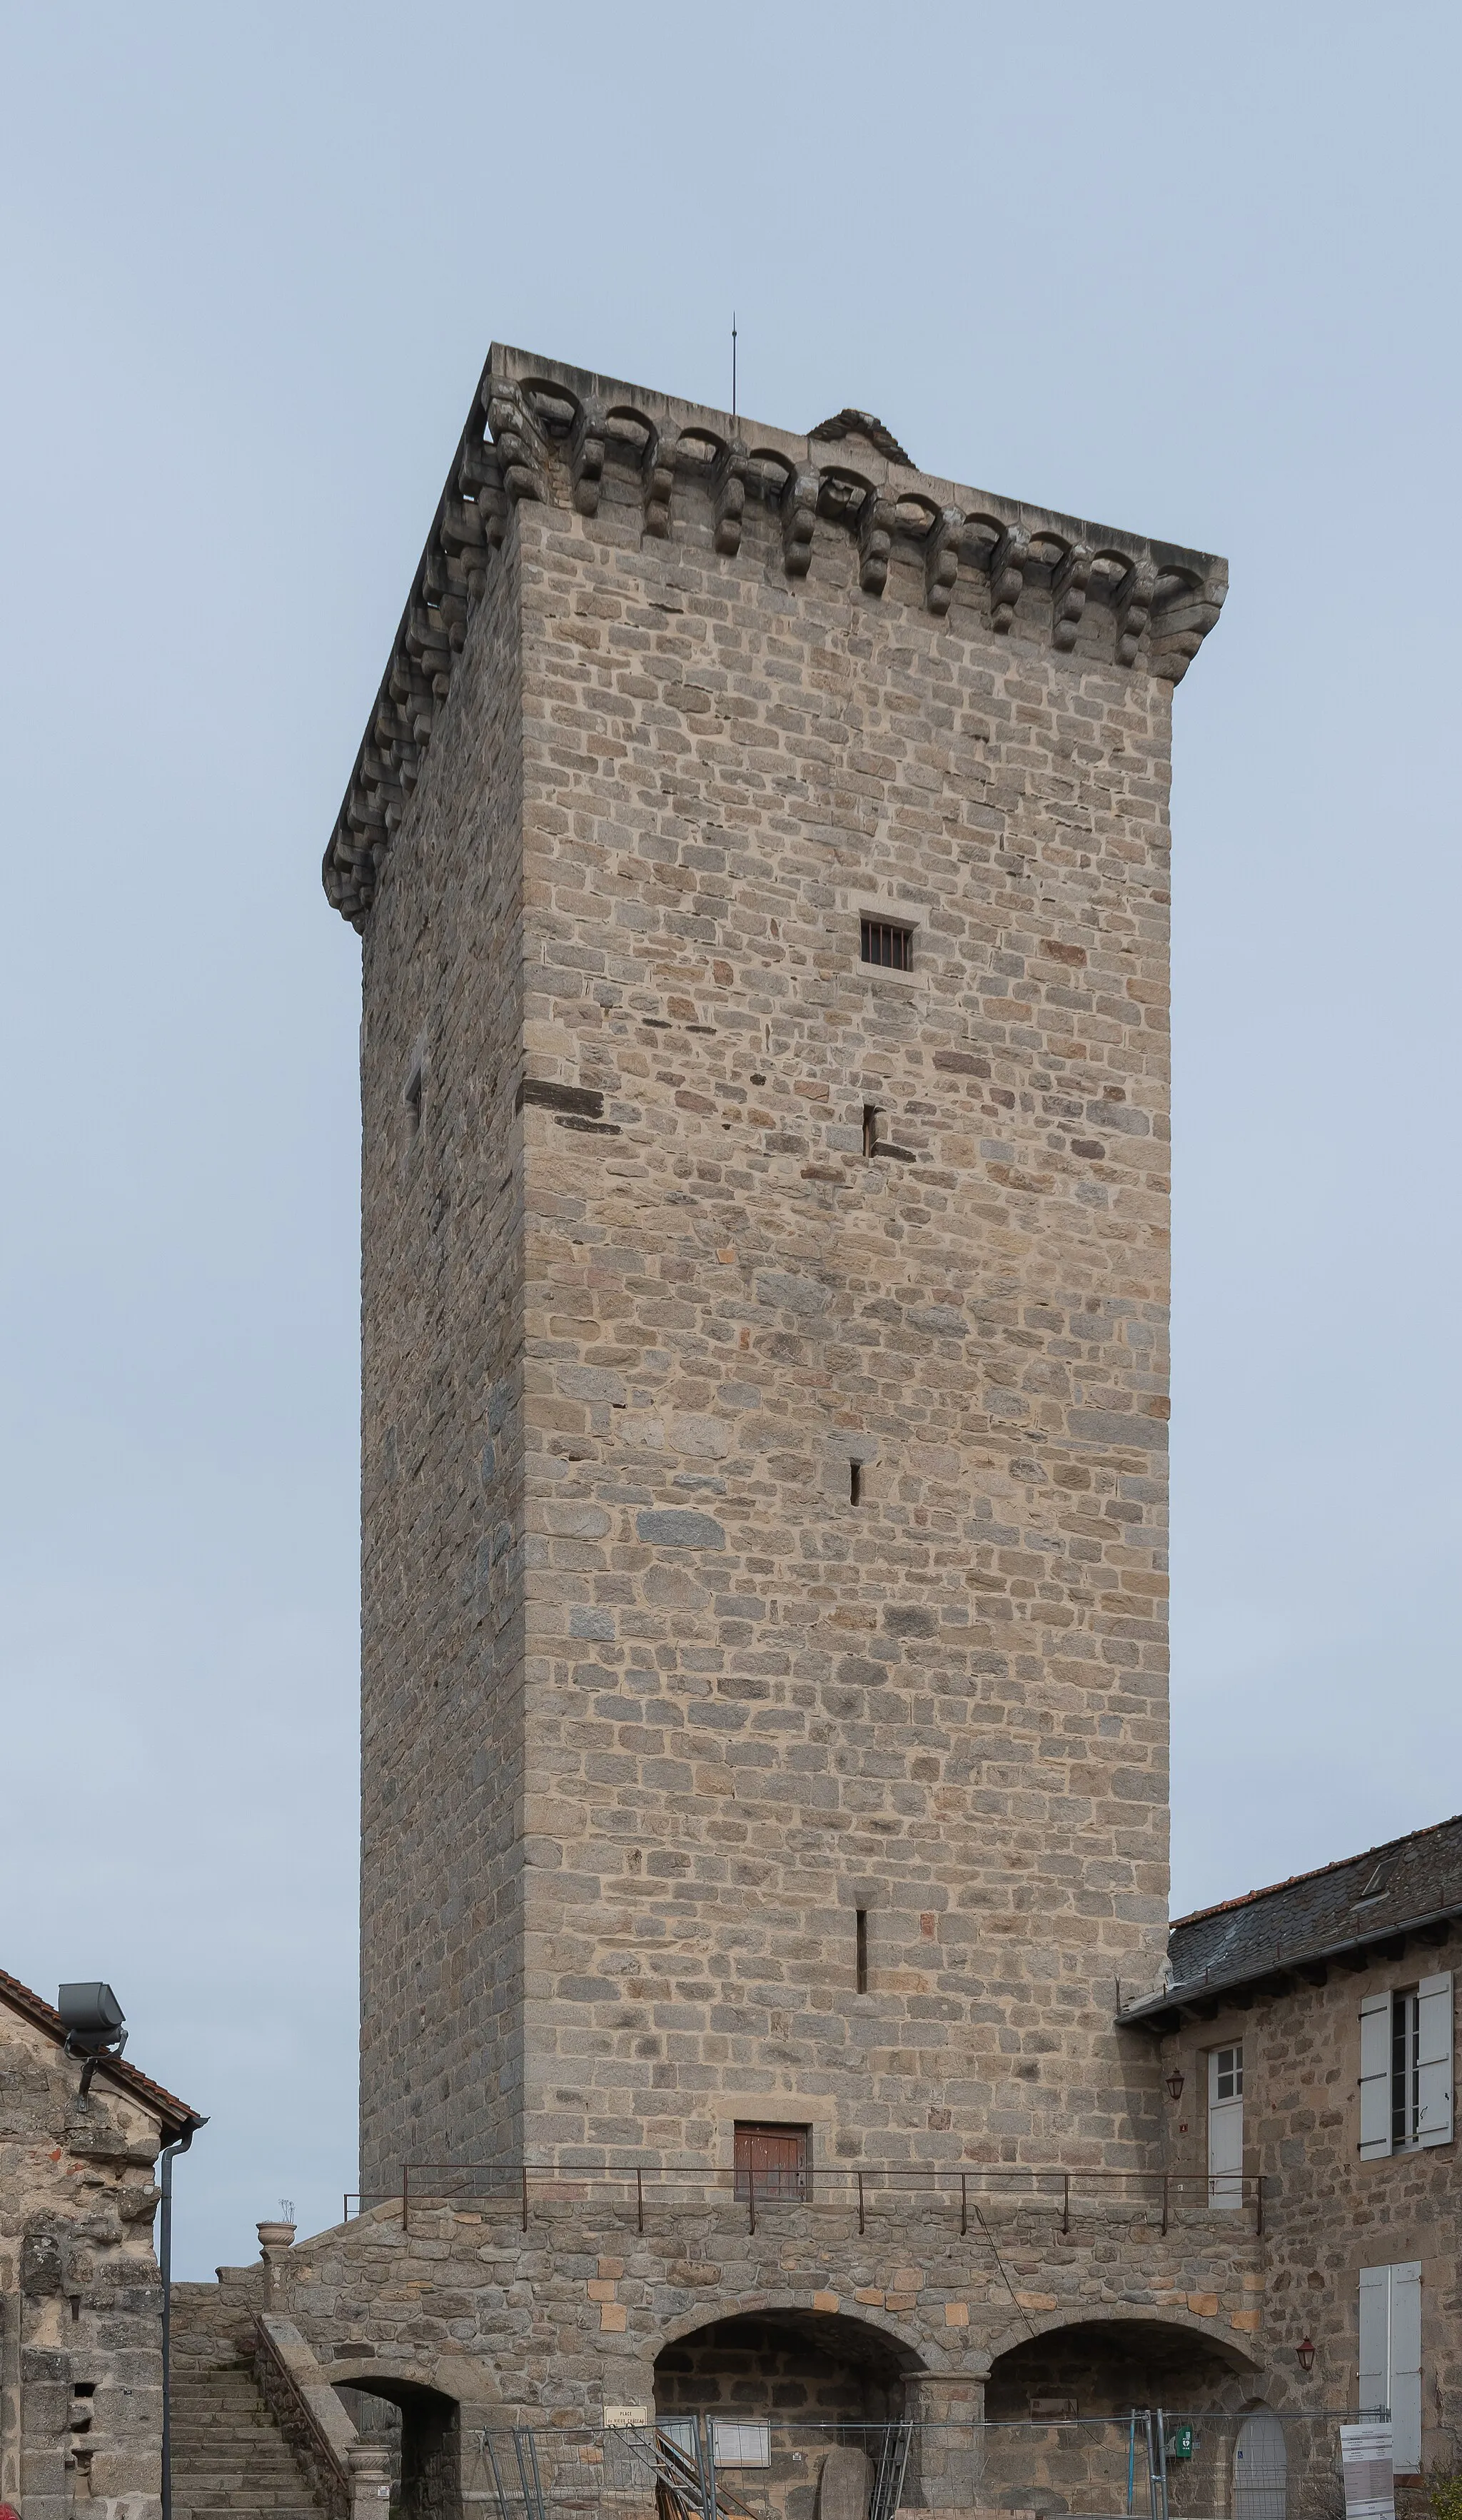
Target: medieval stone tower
[761,855]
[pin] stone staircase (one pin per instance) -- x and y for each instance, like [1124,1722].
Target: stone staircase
[229,2455]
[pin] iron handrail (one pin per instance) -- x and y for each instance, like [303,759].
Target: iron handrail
[636,2180]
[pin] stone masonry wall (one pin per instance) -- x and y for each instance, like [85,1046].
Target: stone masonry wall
[753,1707]
[569,2316]
[1327,2212]
[441,1446]
[80,2306]
[653,1708]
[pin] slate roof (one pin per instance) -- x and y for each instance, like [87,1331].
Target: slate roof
[174,2113]
[1386,1891]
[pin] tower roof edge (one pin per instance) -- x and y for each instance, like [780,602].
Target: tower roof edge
[542,431]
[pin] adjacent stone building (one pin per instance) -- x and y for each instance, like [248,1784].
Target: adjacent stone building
[80,2300]
[1312,2027]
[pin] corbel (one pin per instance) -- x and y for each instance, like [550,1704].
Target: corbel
[1069,595]
[586,458]
[1134,594]
[461,528]
[479,478]
[729,497]
[445,599]
[1180,627]
[799,516]
[657,479]
[875,542]
[520,448]
[1008,576]
[942,560]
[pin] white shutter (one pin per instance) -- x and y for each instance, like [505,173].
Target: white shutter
[1405,2367]
[1434,2041]
[1375,2076]
[1373,2395]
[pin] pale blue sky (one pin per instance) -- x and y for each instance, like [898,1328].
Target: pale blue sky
[1188,271]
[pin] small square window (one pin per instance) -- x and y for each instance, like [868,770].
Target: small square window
[888,944]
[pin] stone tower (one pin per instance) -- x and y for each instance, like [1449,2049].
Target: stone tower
[760,850]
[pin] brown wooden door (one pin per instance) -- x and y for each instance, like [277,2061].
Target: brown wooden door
[775,2159]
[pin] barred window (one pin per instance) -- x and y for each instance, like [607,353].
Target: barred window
[888,944]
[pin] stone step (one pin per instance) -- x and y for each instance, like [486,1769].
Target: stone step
[230,2459]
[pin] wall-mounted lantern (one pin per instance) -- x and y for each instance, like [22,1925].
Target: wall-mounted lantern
[1305,2355]
[1174,2085]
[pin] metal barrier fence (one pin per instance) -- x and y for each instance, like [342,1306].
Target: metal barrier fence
[1150,2464]
[636,2188]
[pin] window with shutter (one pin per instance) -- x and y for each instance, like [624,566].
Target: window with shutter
[1375,2076]
[1433,2060]
[1405,2367]
[1390,2378]
[1374,2392]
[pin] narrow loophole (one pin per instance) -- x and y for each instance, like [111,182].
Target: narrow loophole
[871,1132]
[854,1482]
[863,1950]
[413,1101]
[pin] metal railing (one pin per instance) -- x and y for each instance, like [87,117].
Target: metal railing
[638,2187]
[1148,2463]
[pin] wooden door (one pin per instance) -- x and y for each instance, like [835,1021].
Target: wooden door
[774,2159]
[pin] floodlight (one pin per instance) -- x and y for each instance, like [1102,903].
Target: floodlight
[94,2024]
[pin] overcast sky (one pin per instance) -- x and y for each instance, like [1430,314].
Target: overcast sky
[1192,272]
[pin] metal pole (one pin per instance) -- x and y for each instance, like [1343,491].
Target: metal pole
[860,2200]
[165,2268]
[1163,2462]
[964,2206]
[640,2201]
[751,2185]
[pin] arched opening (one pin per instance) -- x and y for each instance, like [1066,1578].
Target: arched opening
[421,2429]
[1106,2366]
[1068,2415]
[794,2404]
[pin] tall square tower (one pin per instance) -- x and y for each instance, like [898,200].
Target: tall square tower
[761,854]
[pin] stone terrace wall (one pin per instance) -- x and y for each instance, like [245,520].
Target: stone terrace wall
[567,2317]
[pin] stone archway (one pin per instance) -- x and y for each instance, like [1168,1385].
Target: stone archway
[813,2367]
[1105,2366]
[421,2427]
[774,2390]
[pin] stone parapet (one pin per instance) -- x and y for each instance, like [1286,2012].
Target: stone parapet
[622,458]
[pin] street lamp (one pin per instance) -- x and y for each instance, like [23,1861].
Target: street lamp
[1174,2085]
[1305,2355]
